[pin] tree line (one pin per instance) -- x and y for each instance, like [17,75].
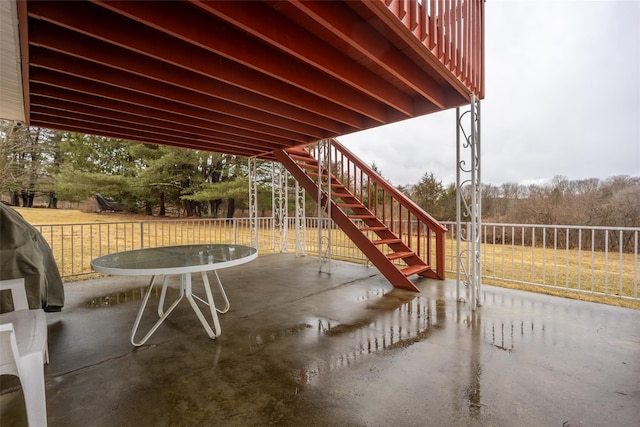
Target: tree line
[612,202]
[142,177]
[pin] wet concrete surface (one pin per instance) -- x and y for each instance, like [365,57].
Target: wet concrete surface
[346,349]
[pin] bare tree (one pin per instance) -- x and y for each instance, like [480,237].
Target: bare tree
[26,157]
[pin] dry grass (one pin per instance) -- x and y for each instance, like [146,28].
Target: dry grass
[41,216]
[564,271]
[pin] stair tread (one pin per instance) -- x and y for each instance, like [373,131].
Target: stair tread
[343,195]
[386,241]
[414,269]
[297,149]
[381,228]
[351,205]
[361,216]
[399,255]
[301,156]
[306,162]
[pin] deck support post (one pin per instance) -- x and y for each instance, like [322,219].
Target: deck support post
[279,207]
[301,221]
[324,205]
[468,202]
[253,202]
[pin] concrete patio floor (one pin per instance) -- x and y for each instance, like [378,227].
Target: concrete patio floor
[346,349]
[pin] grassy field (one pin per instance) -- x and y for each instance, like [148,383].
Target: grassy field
[514,265]
[42,216]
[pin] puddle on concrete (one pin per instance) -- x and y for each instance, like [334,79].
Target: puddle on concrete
[117,298]
[372,293]
[473,392]
[505,336]
[397,320]
[257,342]
[499,339]
[390,321]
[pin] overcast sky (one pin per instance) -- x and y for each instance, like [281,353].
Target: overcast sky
[562,98]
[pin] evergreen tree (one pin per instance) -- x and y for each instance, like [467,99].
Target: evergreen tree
[93,164]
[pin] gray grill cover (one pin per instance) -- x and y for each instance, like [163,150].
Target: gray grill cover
[25,253]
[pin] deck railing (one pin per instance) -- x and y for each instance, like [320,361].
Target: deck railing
[595,260]
[452,30]
[75,245]
[601,261]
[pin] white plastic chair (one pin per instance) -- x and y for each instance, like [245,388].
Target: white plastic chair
[23,350]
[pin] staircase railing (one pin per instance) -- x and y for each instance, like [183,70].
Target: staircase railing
[417,229]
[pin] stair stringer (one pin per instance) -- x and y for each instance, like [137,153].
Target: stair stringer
[388,269]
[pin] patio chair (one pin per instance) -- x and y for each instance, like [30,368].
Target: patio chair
[24,350]
[105,204]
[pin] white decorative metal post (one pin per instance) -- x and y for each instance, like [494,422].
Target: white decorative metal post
[280,201]
[301,222]
[253,201]
[469,201]
[324,205]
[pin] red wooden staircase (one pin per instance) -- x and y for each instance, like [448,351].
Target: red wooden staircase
[394,233]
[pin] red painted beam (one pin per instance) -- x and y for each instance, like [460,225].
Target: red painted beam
[54,94]
[185,24]
[345,24]
[227,141]
[192,26]
[144,130]
[209,72]
[61,123]
[54,84]
[266,24]
[149,69]
[55,98]
[97,73]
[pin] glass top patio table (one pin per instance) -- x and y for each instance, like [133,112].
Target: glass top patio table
[177,260]
[174,259]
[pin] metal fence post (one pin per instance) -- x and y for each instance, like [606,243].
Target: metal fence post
[235,231]
[253,202]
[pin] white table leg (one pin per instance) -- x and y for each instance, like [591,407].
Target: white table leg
[186,290]
[205,280]
[165,283]
[212,308]
[222,292]
[163,316]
